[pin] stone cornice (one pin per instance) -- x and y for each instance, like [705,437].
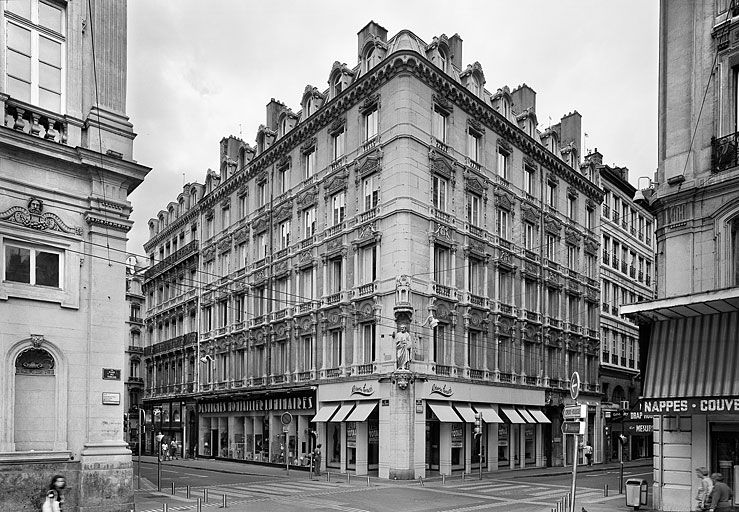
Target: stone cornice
[179,222]
[91,219]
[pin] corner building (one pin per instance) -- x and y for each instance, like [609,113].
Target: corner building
[689,333]
[405,204]
[66,170]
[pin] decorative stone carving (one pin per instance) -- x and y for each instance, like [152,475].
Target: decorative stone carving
[337,126]
[529,214]
[369,164]
[209,253]
[284,162]
[370,102]
[34,217]
[442,232]
[505,145]
[284,211]
[226,203]
[241,235]
[307,198]
[572,236]
[475,125]
[337,182]
[552,226]
[440,164]
[475,184]
[260,224]
[591,246]
[34,361]
[506,200]
[224,244]
[442,102]
[403,378]
[37,340]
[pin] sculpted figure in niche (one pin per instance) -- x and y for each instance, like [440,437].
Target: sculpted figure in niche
[403,348]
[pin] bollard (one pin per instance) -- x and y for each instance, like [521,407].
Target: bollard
[348,478]
[462,475]
[368,481]
[328,476]
[205,495]
[443,478]
[173,488]
[188,491]
[199,506]
[224,505]
[165,507]
[605,490]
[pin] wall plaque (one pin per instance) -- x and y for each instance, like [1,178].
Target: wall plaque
[111,399]
[111,374]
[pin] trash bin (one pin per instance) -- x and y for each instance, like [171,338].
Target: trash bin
[636,492]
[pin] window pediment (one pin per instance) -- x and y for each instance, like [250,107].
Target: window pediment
[337,126]
[260,225]
[308,146]
[442,103]
[283,211]
[209,253]
[369,104]
[369,163]
[308,198]
[336,182]
[441,164]
[552,226]
[529,214]
[572,236]
[505,200]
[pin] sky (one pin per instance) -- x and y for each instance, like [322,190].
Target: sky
[199,71]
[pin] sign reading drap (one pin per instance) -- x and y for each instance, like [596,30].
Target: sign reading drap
[441,390]
[692,405]
[290,403]
[363,390]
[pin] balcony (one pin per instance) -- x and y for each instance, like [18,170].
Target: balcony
[555,383]
[506,244]
[606,211]
[553,322]
[282,313]
[572,273]
[507,377]
[282,253]
[334,298]
[177,342]
[366,289]
[551,264]
[648,280]
[472,164]
[368,215]
[477,374]
[335,230]
[339,162]
[529,254]
[614,310]
[278,379]
[632,271]
[529,380]
[259,263]
[444,291]
[442,216]
[305,376]
[724,152]
[616,217]
[500,180]
[257,320]
[624,267]
[305,307]
[34,121]
[441,146]
[365,369]
[135,349]
[333,373]
[173,258]
[606,307]
[307,242]
[592,333]
[615,262]
[370,144]
[476,300]
[478,232]
[532,316]
[136,319]
[444,370]
[641,276]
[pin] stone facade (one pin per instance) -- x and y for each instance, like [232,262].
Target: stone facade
[405,194]
[64,215]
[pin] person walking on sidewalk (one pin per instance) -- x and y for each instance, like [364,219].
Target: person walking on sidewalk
[589,453]
[317,460]
[55,496]
[704,491]
[720,494]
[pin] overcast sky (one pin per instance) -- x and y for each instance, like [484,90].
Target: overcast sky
[202,70]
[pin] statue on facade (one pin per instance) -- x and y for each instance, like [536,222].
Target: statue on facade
[403,348]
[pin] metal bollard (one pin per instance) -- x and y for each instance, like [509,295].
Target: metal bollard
[224,505]
[462,475]
[368,481]
[199,506]
[205,495]
[605,490]
[443,478]
[328,476]
[173,488]
[187,488]
[165,507]
[348,478]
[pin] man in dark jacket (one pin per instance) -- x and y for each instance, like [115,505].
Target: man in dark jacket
[721,494]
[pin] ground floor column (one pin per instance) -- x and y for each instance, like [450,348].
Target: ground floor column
[362,448]
[445,449]
[492,447]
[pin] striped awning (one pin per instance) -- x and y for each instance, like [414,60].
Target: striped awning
[511,415]
[692,365]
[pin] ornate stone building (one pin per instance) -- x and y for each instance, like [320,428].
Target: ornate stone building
[133,341]
[689,334]
[627,276]
[67,169]
[404,251]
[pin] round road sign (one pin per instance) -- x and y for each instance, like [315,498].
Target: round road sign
[286,418]
[575,385]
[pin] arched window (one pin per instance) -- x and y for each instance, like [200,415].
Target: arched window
[35,393]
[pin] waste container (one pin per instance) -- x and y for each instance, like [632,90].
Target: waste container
[636,492]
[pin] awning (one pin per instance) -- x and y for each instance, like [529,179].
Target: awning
[691,366]
[525,415]
[325,412]
[444,412]
[539,416]
[342,413]
[466,412]
[488,414]
[362,411]
[511,414]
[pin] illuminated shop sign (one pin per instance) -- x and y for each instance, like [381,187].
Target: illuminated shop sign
[291,403]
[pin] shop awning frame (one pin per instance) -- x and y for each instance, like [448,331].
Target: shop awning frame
[342,413]
[489,415]
[325,413]
[539,415]
[362,411]
[464,410]
[512,416]
[524,413]
[444,412]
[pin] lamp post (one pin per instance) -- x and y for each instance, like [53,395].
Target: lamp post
[141,426]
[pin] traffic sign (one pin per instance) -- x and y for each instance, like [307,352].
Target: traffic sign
[286,418]
[573,427]
[575,385]
[575,412]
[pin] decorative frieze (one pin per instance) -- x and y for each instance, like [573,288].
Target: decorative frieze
[34,217]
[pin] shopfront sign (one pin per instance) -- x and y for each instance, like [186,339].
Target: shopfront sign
[290,403]
[351,434]
[442,390]
[692,405]
[457,435]
[363,390]
[373,433]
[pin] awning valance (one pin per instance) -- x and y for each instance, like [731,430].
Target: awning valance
[511,414]
[488,414]
[692,366]
[325,412]
[362,411]
[445,412]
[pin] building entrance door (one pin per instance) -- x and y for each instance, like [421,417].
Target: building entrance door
[432,445]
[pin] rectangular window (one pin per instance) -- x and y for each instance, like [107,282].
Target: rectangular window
[339,208]
[552,195]
[506,287]
[473,209]
[616,209]
[285,234]
[439,125]
[368,264]
[371,194]
[223,313]
[503,163]
[476,274]
[339,144]
[225,264]
[473,146]
[242,206]
[528,180]
[336,278]
[284,179]
[262,249]
[502,224]
[442,264]
[309,162]
[335,351]
[589,218]
[309,222]
[551,248]
[225,218]
[260,301]
[241,255]
[239,303]
[280,299]
[648,233]
[370,124]
[261,194]
[35,41]
[529,236]
[306,353]
[306,285]
[572,257]
[572,208]
[368,343]
[473,349]
[439,192]
[32,265]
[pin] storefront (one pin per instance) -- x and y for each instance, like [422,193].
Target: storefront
[255,428]
[164,418]
[691,388]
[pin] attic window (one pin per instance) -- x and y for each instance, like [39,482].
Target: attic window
[337,84]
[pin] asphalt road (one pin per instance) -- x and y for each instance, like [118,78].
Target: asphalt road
[270,489]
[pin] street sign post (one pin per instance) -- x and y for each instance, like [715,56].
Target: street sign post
[580,410]
[575,385]
[575,412]
[573,427]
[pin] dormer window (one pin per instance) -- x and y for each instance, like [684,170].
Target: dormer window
[443,61]
[337,84]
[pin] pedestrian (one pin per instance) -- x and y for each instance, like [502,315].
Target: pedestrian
[158,438]
[720,494]
[704,491]
[173,449]
[317,460]
[55,496]
[589,453]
